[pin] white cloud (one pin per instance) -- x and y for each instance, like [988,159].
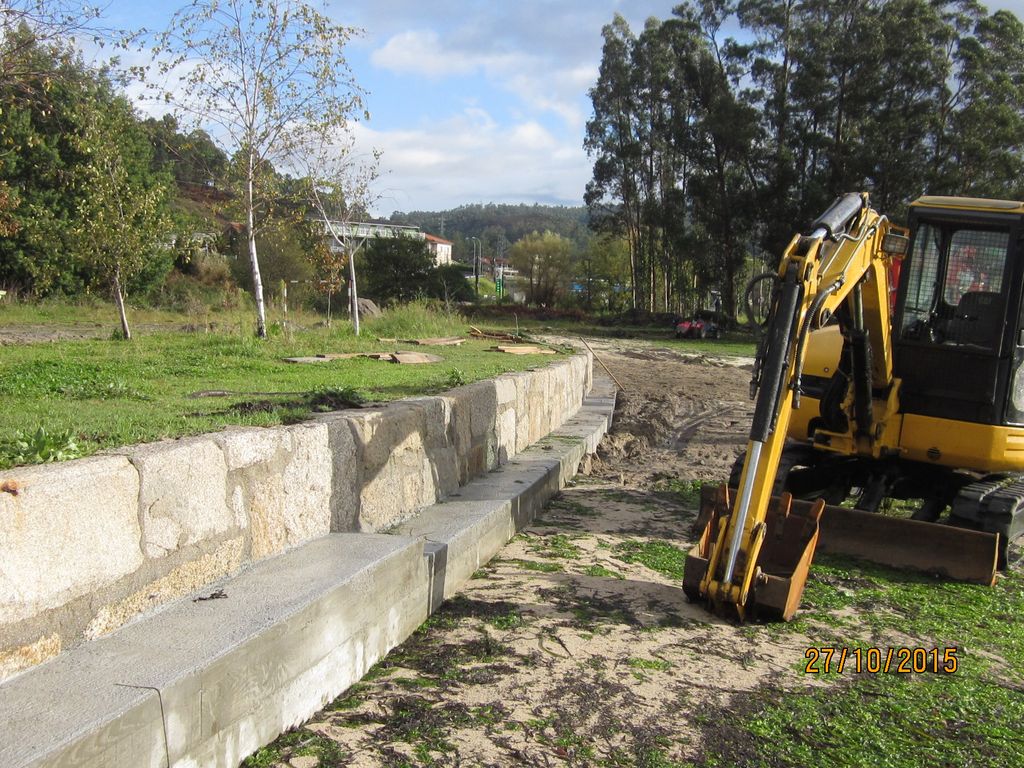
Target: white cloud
[416,52]
[542,82]
[548,93]
[532,136]
[470,158]
[422,52]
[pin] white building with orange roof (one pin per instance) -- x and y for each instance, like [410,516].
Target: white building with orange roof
[440,249]
[360,231]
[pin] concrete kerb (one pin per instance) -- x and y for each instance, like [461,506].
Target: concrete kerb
[470,526]
[204,682]
[208,681]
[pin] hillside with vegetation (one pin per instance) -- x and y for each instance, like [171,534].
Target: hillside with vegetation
[497,225]
[100,200]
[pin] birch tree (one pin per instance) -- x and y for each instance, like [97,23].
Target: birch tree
[264,77]
[339,191]
[122,220]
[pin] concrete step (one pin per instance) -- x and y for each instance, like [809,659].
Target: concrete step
[469,527]
[208,680]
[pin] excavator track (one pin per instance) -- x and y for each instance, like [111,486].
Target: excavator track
[994,504]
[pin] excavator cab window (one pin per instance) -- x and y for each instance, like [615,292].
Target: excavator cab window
[975,264]
[954,287]
[950,331]
[922,276]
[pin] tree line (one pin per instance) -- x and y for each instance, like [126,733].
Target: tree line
[710,151]
[75,161]
[497,226]
[560,259]
[95,198]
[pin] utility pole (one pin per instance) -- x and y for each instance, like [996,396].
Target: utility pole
[499,254]
[476,264]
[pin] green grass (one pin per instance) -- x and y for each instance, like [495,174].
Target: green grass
[511,620]
[109,393]
[659,556]
[416,320]
[972,716]
[659,665]
[557,546]
[298,743]
[488,291]
[946,612]
[599,571]
[95,313]
[540,567]
[890,721]
[688,491]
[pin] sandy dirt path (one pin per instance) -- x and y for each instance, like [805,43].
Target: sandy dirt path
[576,646]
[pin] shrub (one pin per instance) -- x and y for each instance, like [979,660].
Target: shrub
[39,447]
[417,319]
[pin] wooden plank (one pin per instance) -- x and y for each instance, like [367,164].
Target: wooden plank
[414,358]
[449,341]
[524,349]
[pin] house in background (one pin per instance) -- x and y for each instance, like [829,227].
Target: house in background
[360,231]
[440,249]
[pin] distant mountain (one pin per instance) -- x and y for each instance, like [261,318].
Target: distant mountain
[497,226]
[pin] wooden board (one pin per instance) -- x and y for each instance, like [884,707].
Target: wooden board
[403,358]
[524,349]
[450,341]
[414,358]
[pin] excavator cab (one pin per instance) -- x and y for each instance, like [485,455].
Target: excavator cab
[958,312]
[958,354]
[862,398]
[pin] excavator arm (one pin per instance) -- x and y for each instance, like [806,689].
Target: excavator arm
[758,547]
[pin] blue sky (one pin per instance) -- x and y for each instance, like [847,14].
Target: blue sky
[472,101]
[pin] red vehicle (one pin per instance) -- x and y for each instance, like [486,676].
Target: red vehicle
[700,326]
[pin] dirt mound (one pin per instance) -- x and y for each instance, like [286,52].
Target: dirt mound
[680,415]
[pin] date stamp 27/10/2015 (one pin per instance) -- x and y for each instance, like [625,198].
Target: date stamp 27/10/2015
[875,660]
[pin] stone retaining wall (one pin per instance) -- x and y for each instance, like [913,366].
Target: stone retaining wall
[87,545]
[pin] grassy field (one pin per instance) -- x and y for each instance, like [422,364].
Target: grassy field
[71,388]
[67,398]
[961,706]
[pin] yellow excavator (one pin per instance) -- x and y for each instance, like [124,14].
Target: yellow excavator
[891,366]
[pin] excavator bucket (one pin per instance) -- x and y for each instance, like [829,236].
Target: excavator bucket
[784,560]
[797,528]
[713,501]
[954,553]
[786,557]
